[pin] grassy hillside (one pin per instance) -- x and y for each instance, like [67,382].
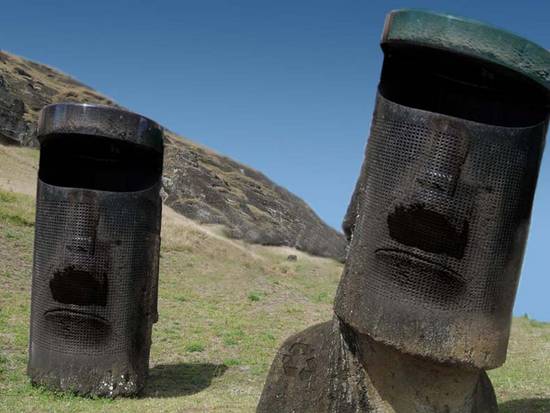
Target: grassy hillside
[225,307]
[197,182]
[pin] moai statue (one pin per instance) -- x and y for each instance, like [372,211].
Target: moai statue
[437,227]
[96,252]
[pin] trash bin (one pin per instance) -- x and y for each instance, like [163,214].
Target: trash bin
[440,216]
[96,251]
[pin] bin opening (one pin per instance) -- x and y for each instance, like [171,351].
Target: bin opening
[460,86]
[92,162]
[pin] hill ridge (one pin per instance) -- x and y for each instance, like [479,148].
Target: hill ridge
[198,183]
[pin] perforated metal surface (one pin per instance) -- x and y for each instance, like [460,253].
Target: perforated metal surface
[109,245]
[442,214]
[94,282]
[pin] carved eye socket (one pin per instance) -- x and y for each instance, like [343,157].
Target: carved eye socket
[72,286]
[416,226]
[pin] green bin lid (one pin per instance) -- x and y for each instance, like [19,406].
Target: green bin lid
[468,37]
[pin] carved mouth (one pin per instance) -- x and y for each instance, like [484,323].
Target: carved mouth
[421,275]
[78,325]
[74,314]
[407,257]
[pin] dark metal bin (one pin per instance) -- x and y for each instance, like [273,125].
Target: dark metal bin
[95,272]
[439,219]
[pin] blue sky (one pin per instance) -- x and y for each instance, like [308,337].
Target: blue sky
[284,86]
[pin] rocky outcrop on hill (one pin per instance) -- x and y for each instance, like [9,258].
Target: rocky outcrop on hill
[198,182]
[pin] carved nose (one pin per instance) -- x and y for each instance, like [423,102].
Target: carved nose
[417,226]
[439,180]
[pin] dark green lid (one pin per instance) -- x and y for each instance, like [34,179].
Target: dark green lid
[469,37]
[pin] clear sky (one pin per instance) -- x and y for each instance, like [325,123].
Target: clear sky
[284,86]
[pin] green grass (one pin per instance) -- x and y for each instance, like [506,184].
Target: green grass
[224,310]
[225,307]
[523,383]
[255,296]
[14,210]
[195,347]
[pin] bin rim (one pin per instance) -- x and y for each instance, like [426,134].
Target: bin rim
[68,118]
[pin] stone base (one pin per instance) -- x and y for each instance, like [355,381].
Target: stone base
[321,370]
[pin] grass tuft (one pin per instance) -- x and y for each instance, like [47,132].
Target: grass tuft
[195,347]
[255,296]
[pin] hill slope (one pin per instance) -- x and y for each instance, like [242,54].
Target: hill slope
[198,183]
[225,307]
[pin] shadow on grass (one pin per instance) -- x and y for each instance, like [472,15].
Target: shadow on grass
[525,406]
[172,380]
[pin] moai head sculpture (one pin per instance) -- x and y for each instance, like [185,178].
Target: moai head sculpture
[441,213]
[95,273]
